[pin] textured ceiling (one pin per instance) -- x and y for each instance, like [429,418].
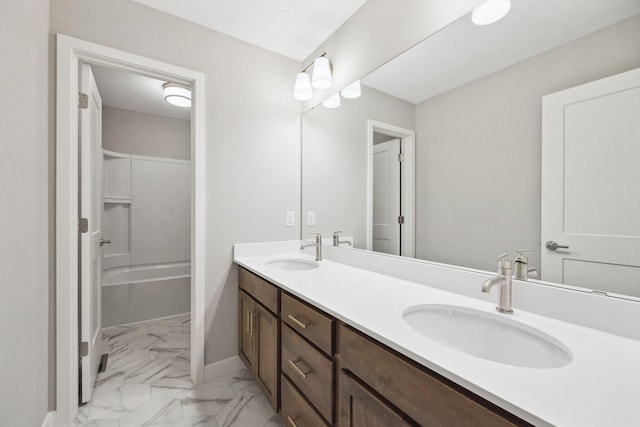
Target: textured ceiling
[129,91]
[463,52]
[293,28]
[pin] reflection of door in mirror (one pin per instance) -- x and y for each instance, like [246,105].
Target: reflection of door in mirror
[590,185]
[386,195]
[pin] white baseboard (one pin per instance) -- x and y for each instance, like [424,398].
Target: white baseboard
[223,367]
[50,419]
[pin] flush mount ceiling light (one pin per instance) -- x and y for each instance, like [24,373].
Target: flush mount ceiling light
[177,95]
[352,91]
[320,78]
[490,11]
[332,102]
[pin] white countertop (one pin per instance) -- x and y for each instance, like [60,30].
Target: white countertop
[600,387]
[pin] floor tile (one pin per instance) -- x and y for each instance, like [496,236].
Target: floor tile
[147,383]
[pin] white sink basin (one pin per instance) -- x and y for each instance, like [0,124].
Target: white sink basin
[292,264]
[488,336]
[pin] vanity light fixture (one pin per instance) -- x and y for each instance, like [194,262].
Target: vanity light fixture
[332,101]
[320,78]
[177,95]
[490,11]
[302,90]
[352,91]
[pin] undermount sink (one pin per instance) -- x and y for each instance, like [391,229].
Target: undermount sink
[292,264]
[488,336]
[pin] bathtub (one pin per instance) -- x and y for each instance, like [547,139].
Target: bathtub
[135,294]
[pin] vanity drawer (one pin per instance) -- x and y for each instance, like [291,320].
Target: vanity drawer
[309,370]
[264,292]
[309,322]
[425,397]
[295,411]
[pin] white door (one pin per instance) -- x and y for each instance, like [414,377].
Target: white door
[591,185]
[90,208]
[386,197]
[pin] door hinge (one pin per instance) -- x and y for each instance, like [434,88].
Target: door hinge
[83,225]
[83,100]
[401,157]
[401,219]
[83,349]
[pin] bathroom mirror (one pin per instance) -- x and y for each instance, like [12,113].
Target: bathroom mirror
[464,107]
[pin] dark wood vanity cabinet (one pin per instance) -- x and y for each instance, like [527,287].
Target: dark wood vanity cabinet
[376,380]
[320,372]
[259,332]
[307,364]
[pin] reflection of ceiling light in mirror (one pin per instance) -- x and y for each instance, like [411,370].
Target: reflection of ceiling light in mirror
[352,91]
[302,90]
[332,102]
[321,78]
[490,11]
[177,95]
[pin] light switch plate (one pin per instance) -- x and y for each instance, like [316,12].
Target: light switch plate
[311,218]
[291,219]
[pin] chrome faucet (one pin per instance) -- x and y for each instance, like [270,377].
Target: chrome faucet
[503,281]
[337,241]
[317,244]
[521,270]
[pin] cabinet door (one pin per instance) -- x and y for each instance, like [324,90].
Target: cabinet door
[246,331]
[266,327]
[361,408]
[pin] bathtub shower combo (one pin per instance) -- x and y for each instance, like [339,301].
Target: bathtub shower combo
[146,268]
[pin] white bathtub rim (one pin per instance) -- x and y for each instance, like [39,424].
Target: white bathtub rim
[116,271]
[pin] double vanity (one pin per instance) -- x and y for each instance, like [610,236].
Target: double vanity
[345,341]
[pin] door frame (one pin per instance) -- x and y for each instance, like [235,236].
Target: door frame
[407,186]
[70,52]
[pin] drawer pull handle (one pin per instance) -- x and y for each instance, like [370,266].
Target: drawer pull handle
[297,322]
[300,372]
[292,421]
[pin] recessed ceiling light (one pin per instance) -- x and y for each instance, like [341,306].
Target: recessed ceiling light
[490,11]
[177,95]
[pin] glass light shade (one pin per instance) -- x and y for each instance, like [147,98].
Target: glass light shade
[352,91]
[302,89]
[177,95]
[332,102]
[321,78]
[490,11]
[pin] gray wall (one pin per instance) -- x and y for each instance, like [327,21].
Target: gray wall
[131,132]
[334,155]
[478,150]
[252,135]
[24,254]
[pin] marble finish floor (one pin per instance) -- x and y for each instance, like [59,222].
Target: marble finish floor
[147,383]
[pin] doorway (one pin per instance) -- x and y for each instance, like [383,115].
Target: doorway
[390,189]
[71,53]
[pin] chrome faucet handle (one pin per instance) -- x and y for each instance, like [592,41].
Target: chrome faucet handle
[337,232]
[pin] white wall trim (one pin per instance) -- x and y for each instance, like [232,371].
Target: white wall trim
[222,367]
[408,208]
[70,52]
[49,419]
